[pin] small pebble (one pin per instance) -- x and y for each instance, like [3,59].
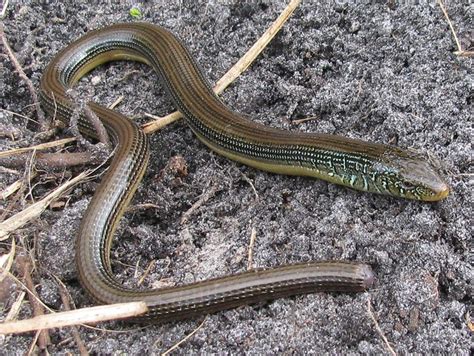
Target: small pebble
[95,79]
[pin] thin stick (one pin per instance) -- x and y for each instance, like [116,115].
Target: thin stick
[48,161]
[22,185]
[175,346]
[377,327]
[4,9]
[9,171]
[253,236]
[75,317]
[160,121]
[238,68]
[257,48]
[469,323]
[460,51]
[99,127]
[33,343]
[202,199]
[23,76]
[15,308]
[23,285]
[443,9]
[249,181]
[11,189]
[116,102]
[42,146]
[19,115]
[43,337]
[63,292]
[147,272]
[6,262]
[300,121]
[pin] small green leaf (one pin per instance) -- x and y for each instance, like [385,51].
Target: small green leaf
[135,12]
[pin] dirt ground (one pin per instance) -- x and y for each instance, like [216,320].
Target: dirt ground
[382,71]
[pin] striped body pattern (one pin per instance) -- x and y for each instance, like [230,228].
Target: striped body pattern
[353,163]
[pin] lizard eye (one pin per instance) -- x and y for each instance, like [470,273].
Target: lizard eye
[407,186]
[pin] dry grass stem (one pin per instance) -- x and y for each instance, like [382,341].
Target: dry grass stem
[15,308]
[116,102]
[6,261]
[10,275]
[11,189]
[175,346]
[257,48]
[42,146]
[469,323]
[19,115]
[4,9]
[460,51]
[26,266]
[65,297]
[22,184]
[35,210]
[253,236]
[249,181]
[147,272]
[377,327]
[202,199]
[9,171]
[306,119]
[21,73]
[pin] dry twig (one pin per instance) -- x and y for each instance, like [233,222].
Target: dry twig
[249,181]
[47,161]
[175,346]
[76,317]
[377,327]
[116,102]
[147,272]
[23,76]
[253,236]
[305,119]
[4,9]
[42,146]
[38,311]
[6,262]
[15,308]
[469,323]
[10,189]
[460,51]
[18,188]
[202,199]
[65,297]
